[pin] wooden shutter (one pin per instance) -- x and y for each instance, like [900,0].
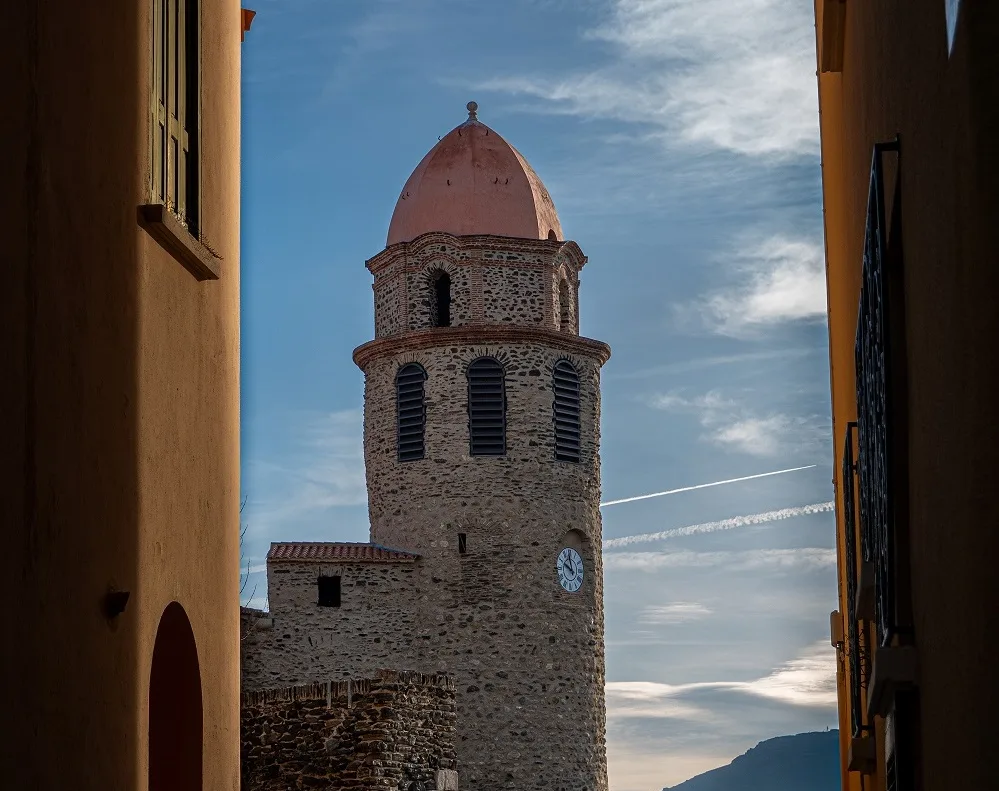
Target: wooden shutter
[175,99]
[486,408]
[565,383]
[411,411]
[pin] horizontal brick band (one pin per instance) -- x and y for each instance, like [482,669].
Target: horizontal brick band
[472,334]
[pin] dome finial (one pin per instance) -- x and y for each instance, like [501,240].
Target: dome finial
[472,107]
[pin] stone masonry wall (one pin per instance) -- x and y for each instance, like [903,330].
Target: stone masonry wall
[527,657]
[393,731]
[297,641]
[507,282]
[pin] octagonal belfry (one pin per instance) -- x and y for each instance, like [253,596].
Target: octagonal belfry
[481,447]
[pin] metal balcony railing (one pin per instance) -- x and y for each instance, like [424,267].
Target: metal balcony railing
[874,407]
[857,654]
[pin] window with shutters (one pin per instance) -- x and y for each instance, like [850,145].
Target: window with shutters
[486,408]
[175,105]
[565,383]
[412,411]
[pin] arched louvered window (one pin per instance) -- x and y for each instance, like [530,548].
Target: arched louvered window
[441,299]
[411,410]
[486,408]
[565,382]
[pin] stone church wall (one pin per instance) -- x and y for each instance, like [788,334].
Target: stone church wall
[297,641]
[392,731]
[527,657]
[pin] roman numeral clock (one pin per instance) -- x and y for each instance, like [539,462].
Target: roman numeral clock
[570,569]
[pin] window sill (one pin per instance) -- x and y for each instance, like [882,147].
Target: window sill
[893,669]
[173,237]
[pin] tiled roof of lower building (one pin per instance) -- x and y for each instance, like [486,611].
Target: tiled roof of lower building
[327,551]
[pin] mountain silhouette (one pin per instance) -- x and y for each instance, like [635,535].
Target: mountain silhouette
[804,762]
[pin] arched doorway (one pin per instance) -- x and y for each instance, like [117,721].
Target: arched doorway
[175,712]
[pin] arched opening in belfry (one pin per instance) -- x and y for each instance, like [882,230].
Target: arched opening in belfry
[552,236]
[175,706]
[441,299]
[564,307]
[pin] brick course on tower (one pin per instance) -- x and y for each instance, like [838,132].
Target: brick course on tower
[474,585]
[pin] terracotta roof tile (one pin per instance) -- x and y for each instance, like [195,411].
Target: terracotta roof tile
[325,551]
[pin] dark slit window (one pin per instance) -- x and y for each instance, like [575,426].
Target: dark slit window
[329,591]
[412,411]
[441,300]
[486,408]
[462,544]
[565,382]
[565,315]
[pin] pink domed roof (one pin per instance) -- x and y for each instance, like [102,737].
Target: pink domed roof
[474,182]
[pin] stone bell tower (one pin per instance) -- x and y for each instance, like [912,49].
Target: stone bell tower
[481,444]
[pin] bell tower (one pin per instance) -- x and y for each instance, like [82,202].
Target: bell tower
[481,445]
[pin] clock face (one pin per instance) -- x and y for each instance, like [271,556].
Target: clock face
[570,569]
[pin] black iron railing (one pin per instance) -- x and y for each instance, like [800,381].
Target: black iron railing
[874,407]
[856,636]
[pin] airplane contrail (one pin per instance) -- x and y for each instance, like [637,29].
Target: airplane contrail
[723,524]
[705,485]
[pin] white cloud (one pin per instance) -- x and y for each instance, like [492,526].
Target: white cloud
[752,560]
[782,279]
[707,404]
[674,613]
[323,470]
[686,366]
[731,426]
[808,679]
[763,436]
[737,75]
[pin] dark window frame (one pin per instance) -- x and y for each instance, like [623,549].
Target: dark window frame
[566,412]
[487,407]
[440,296]
[564,305]
[329,590]
[411,412]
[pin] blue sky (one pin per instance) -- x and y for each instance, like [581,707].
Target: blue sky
[679,141]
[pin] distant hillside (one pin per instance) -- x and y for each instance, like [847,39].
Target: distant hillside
[806,762]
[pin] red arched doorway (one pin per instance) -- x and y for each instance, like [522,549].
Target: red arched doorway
[175,714]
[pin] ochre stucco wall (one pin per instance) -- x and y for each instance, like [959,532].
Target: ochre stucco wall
[120,387]
[897,78]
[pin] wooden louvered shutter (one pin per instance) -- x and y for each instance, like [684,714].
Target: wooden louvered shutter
[411,411]
[565,382]
[486,408]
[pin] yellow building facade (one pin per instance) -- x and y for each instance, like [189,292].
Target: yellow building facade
[119,661]
[910,179]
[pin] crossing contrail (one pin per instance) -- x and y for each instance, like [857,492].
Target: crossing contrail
[724,524]
[704,485]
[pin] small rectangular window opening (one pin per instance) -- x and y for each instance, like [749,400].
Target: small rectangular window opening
[462,546]
[329,591]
